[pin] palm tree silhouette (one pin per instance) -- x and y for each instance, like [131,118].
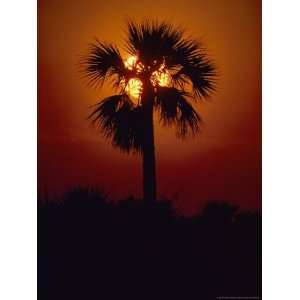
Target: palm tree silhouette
[165,69]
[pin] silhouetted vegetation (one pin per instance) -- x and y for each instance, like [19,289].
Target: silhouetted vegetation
[90,248]
[159,51]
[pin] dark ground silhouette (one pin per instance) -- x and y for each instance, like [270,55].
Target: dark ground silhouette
[89,248]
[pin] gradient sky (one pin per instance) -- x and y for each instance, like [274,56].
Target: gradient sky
[223,163]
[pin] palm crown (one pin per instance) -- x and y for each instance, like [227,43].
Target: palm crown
[164,72]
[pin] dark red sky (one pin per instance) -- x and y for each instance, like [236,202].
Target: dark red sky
[223,163]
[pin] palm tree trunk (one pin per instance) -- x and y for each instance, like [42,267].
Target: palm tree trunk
[149,176]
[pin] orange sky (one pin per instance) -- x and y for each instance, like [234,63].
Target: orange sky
[223,163]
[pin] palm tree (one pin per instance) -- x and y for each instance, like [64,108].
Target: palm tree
[165,70]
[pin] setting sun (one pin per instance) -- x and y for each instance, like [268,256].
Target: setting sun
[134,86]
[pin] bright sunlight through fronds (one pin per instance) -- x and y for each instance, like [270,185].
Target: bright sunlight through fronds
[134,86]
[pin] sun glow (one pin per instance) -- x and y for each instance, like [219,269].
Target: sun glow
[134,87]
[161,77]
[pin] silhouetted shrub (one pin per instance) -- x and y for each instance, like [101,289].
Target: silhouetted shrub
[90,248]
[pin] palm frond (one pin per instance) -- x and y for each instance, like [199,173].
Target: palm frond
[202,77]
[175,109]
[151,41]
[103,62]
[120,121]
[156,43]
[193,66]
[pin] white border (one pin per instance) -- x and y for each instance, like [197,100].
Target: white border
[18,238]
[281,150]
